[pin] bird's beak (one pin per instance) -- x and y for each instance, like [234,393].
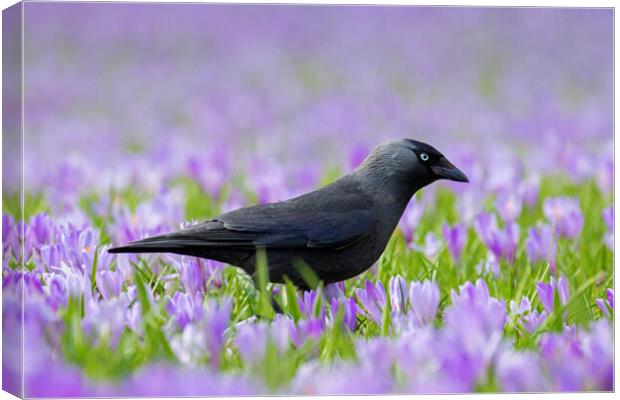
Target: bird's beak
[445,170]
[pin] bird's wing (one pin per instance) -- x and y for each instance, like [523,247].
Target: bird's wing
[282,227]
[272,227]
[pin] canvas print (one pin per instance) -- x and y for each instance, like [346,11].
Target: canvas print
[220,199]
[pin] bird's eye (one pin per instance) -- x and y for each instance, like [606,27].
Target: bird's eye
[424,157]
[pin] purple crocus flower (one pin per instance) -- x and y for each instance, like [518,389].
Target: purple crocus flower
[268,182]
[35,306]
[104,259]
[349,318]
[56,380]
[372,299]
[530,319]
[109,283]
[190,345]
[398,294]
[608,217]
[341,378]
[489,265]
[540,245]
[153,217]
[565,215]
[577,360]
[49,257]
[410,219]
[456,238]
[485,224]
[520,308]
[8,224]
[546,295]
[216,319]
[505,174]
[57,291]
[191,274]
[491,313]
[375,353]
[468,205]
[10,239]
[519,372]
[601,304]
[430,248]
[309,301]
[605,173]
[501,242]
[529,189]
[598,352]
[76,283]
[134,318]
[305,329]
[473,311]
[508,206]
[41,229]
[185,308]
[505,242]
[210,170]
[123,264]
[212,272]
[46,375]
[163,380]
[77,239]
[251,338]
[27,242]
[533,320]
[334,290]
[105,318]
[77,246]
[424,301]
[606,305]
[610,297]
[546,292]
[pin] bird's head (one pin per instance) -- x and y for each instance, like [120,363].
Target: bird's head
[409,164]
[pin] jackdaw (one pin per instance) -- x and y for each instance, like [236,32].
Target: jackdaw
[338,231]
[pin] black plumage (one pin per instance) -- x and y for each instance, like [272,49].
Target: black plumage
[337,231]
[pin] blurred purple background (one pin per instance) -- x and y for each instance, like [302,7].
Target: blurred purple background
[121,94]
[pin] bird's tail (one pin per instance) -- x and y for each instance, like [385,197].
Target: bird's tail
[170,243]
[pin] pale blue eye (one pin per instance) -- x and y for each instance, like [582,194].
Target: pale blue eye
[424,157]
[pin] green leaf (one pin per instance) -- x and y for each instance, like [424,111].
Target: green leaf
[387,320]
[265,308]
[291,300]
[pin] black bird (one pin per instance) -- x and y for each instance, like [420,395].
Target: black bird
[337,231]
